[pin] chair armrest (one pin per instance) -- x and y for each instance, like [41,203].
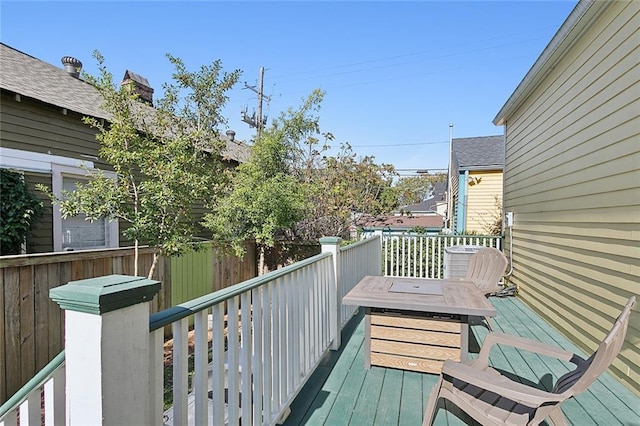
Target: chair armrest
[521,343]
[523,394]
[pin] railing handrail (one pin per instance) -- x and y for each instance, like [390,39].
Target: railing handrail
[358,243]
[36,381]
[183,310]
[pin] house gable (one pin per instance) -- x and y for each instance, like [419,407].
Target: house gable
[477,192]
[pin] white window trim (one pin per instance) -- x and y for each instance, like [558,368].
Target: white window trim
[58,171]
[36,162]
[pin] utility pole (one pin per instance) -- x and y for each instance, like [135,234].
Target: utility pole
[253,121]
[449,189]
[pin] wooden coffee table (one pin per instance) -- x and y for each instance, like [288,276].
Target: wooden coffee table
[417,323]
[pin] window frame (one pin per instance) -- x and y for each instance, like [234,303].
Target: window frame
[58,173]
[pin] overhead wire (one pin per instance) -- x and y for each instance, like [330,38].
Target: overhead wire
[420,53]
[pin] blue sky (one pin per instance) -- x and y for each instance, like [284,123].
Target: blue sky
[396,74]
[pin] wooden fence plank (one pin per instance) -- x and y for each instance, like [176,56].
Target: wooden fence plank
[3,359]
[41,317]
[32,326]
[100,267]
[217,272]
[76,270]
[12,329]
[117,265]
[27,324]
[54,313]
[65,278]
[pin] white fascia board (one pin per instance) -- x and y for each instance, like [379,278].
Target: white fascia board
[36,162]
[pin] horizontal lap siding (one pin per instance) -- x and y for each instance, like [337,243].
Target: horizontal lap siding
[483,200]
[32,126]
[572,177]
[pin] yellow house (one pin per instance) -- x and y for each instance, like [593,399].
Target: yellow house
[477,183]
[572,178]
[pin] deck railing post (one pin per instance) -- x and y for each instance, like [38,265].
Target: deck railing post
[107,349]
[332,245]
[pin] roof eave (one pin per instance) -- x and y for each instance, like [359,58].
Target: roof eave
[580,19]
[481,168]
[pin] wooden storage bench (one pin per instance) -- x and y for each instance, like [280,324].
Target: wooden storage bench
[415,341]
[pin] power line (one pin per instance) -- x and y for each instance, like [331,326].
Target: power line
[393,58]
[398,144]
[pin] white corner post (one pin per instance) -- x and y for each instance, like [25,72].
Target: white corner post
[332,245]
[107,349]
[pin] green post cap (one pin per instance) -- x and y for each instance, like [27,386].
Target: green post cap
[330,240]
[104,294]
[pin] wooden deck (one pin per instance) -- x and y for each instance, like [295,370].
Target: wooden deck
[342,392]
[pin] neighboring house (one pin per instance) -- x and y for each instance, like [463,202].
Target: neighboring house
[42,135]
[572,178]
[436,203]
[399,225]
[476,183]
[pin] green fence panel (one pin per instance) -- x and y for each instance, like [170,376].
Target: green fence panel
[192,275]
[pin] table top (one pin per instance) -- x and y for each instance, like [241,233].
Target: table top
[449,296]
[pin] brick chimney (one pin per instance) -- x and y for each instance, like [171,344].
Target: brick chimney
[140,85]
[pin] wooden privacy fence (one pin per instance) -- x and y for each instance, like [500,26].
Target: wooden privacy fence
[31,325]
[206,270]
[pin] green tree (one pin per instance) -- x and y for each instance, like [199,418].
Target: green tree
[291,187]
[19,209]
[342,188]
[167,158]
[415,189]
[265,198]
[337,187]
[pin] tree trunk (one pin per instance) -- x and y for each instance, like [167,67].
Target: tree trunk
[153,265]
[261,261]
[136,253]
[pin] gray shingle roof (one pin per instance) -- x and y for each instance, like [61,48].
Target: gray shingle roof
[479,153]
[28,76]
[402,222]
[430,204]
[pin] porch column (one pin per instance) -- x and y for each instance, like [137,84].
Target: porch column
[332,245]
[106,349]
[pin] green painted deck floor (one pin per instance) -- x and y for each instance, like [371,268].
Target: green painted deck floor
[342,392]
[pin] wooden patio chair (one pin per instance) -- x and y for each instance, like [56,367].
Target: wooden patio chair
[486,268]
[493,399]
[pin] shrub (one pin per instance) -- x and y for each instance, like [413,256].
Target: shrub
[19,210]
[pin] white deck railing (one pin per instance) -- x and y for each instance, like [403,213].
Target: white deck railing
[45,388]
[267,336]
[423,256]
[356,261]
[278,327]
[251,349]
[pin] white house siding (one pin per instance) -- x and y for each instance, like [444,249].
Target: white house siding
[482,208]
[572,178]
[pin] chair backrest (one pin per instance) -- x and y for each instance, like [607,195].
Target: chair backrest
[486,267]
[578,380]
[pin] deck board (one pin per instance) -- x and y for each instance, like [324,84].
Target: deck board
[348,393]
[368,401]
[411,398]
[342,392]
